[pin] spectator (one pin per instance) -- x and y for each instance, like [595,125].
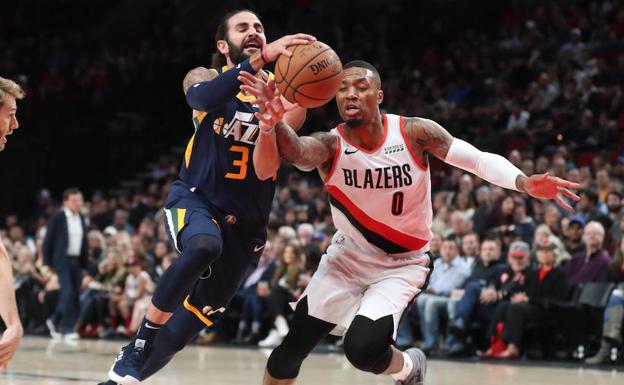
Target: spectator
[65,250]
[614,314]
[470,249]
[588,208]
[574,235]
[549,283]
[253,294]
[481,296]
[449,273]
[590,264]
[137,285]
[284,289]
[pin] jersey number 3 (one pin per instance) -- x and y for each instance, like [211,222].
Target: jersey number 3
[240,163]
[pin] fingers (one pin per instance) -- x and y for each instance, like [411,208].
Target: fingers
[563,204]
[298,42]
[569,194]
[247,78]
[564,183]
[304,36]
[285,52]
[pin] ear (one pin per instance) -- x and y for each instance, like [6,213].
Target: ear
[223,47]
[380,96]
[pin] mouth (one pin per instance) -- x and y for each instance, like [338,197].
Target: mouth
[253,44]
[352,109]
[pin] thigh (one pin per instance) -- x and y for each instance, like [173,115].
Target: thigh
[188,216]
[212,293]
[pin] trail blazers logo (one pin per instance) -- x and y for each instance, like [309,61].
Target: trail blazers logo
[394,149]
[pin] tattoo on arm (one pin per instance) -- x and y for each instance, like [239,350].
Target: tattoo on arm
[306,152]
[429,136]
[197,75]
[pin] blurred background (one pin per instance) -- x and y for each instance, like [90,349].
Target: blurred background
[538,82]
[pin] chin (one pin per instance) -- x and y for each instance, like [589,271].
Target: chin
[353,123]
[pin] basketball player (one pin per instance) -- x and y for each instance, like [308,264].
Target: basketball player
[376,171]
[9,93]
[217,211]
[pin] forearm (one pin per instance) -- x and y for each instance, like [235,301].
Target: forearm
[8,306]
[288,143]
[207,95]
[490,167]
[295,118]
[266,158]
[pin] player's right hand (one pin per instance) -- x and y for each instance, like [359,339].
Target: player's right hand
[279,47]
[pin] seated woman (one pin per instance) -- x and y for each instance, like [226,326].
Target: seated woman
[548,283]
[614,314]
[284,289]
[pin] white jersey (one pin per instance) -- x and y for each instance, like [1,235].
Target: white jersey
[381,198]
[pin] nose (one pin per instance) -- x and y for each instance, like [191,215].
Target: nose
[14,124]
[351,94]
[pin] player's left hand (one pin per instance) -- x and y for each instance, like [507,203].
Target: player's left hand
[253,85]
[550,187]
[8,344]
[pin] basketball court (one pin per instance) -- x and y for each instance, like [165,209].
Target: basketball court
[42,361]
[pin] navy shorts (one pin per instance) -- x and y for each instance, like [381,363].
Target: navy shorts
[188,214]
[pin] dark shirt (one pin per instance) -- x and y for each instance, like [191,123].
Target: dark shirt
[615,274]
[593,269]
[484,275]
[509,282]
[553,286]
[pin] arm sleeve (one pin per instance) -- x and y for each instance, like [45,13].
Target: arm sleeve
[208,95]
[491,167]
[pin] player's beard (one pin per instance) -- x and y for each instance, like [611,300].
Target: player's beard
[237,53]
[354,123]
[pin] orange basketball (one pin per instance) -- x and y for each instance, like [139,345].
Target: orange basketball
[311,76]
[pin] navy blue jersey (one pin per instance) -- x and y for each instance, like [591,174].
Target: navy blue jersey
[218,160]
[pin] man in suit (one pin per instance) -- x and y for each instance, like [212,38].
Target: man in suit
[65,250]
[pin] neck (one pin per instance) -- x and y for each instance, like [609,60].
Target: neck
[369,135]
[548,265]
[591,250]
[70,210]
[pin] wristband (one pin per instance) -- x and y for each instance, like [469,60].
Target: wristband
[263,55]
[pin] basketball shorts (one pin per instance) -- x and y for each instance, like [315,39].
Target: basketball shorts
[352,280]
[188,214]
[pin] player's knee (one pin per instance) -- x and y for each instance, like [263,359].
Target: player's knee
[367,344]
[203,249]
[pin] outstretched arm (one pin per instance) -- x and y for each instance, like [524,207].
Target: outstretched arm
[433,138]
[8,310]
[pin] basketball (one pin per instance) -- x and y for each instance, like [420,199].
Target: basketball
[311,76]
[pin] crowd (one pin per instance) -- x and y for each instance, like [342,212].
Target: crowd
[540,83]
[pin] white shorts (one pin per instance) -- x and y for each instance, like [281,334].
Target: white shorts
[352,280]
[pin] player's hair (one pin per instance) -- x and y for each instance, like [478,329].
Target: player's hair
[218,59]
[70,191]
[9,87]
[362,64]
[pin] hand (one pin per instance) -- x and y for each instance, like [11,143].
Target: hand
[457,293]
[254,85]
[8,344]
[519,298]
[550,187]
[279,47]
[488,296]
